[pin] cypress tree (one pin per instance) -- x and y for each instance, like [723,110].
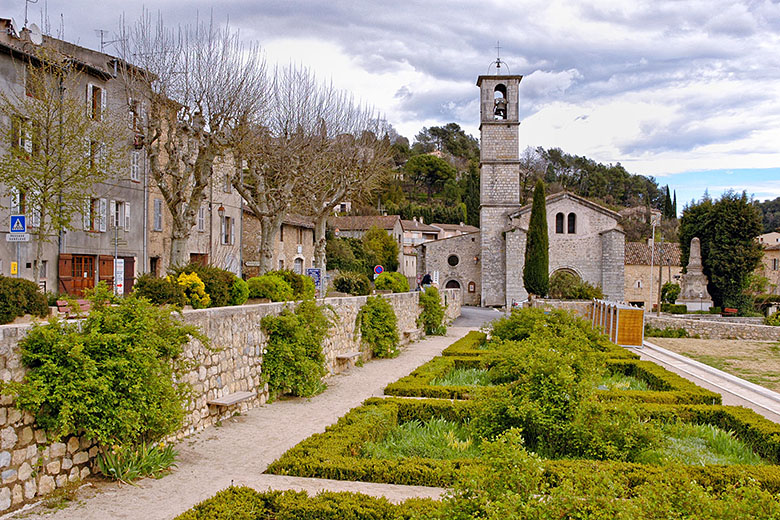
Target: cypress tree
[536,276]
[668,209]
[674,204]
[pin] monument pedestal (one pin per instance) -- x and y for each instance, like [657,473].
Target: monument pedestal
[695,305]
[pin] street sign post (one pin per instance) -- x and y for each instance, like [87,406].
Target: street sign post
[315,273]
[18,224]
[119,276]
[17,237]
[18,228]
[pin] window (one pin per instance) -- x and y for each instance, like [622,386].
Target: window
[44,269]
[202,219]
[95,215]
[499,94]
[154,266]
[300,235]
[20,135]
[120,214]
[453,260]
[135,166]
[472,287]
[96,102]
[281,264]
[572,221]
[157,224]
[559,222]
[639,284]
[452,284]
[227,231]
[226,186]
[281,233]
[775,264]
[298,266]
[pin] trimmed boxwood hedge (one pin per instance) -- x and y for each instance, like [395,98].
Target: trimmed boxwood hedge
[418,383]
[243,503]
[468,345]
[670,388]
[336,453]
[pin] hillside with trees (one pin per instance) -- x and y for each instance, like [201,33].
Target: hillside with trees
[770,211]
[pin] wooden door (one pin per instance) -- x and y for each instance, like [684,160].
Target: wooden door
[83,274]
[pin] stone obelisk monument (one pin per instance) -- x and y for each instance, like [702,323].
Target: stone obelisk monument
[693,286]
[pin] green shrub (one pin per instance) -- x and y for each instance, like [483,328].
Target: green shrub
[392,281]
[568,286]
[431,318]
[674,309]
[356,284]
[218,282]
[129,463]
[160,291]
[19,297]
[773,320]
[271,286]
[666,332]
[117,377]
[379,327]
[669,292]
[239,292]
[302,286]
[293,360]
[469,345]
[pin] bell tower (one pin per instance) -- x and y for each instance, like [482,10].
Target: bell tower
[499,176]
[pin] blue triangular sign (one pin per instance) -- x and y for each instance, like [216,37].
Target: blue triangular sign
[17,224]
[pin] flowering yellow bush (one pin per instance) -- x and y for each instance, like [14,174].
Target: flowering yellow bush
[195,290]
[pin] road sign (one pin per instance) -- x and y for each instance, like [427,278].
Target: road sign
[17,237]
[18,224]
[378,269]
[119,276]
[14,268]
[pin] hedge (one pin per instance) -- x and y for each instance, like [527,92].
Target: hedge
[243,503]
[418,383]
[668,387]
[336,453]
[468,345]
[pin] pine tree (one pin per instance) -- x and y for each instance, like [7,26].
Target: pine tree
[536,276]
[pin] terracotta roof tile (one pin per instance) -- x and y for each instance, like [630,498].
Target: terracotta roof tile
[414,225]
[638,253]
[364,222]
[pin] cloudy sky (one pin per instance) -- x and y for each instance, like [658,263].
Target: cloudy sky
[686,91]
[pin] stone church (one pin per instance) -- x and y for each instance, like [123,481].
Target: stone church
[585,238]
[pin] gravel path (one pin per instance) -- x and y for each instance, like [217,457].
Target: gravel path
[244,446]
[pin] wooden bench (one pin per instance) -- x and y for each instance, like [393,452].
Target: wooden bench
[728,311]
[231,399]
[65,307]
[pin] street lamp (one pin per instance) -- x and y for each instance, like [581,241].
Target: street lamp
[221,211]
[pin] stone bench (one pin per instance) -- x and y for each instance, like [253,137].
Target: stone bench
[231,399]
[349,357]
[412,335]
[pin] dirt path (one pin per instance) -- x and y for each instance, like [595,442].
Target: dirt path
[243,447]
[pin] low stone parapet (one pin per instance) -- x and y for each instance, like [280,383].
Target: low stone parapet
[717,329]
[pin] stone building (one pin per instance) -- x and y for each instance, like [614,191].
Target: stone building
[453,230]
[293,248]
[585,239]
[770,262]
[666,265]
[112,223]
[455,263]
[356,227]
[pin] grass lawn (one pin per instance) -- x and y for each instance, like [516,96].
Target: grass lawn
[434,439]
[755,361]
[623,382]
[462,376]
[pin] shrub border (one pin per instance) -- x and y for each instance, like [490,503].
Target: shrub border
[333,454]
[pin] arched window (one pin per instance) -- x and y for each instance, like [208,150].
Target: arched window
[639,284]
[499,99]
[452,284]
[559,223]
[572,223]
[298,266]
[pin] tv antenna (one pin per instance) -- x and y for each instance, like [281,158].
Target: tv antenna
[13,30]
[103,42]
[26,3]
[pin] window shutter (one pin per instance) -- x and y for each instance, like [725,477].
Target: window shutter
[86,218]
[134,165]
[89,99]
[114,221]
[157,215]
[127,216]
[27,140]
[232,232]
[222,229]
[102,102]
[14,201]
[103,210]
[35,209]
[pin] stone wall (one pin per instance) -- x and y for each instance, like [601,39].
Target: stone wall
[434,257]
[31,465]
[716,329]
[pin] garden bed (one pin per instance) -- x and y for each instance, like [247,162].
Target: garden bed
[340,452]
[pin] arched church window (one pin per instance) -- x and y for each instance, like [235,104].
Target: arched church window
[559,223]
[500,102]
[452,284]
[572,223]
[639,284]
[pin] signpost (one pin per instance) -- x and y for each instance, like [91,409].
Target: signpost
[315,273]
[119,276]
[378,269]
[18,228]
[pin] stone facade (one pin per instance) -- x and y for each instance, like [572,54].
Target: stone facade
[712,329]
[293,247]
[666,266]
[31,465]
[465,274]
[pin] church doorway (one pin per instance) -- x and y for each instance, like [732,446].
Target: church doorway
[563,282]
[452,284]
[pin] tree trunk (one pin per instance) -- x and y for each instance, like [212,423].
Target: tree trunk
[320,242]
[179,256]
[269,227]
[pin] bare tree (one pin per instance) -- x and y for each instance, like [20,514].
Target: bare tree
[532,167]
[276,155]
[190,88]
[59,151]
